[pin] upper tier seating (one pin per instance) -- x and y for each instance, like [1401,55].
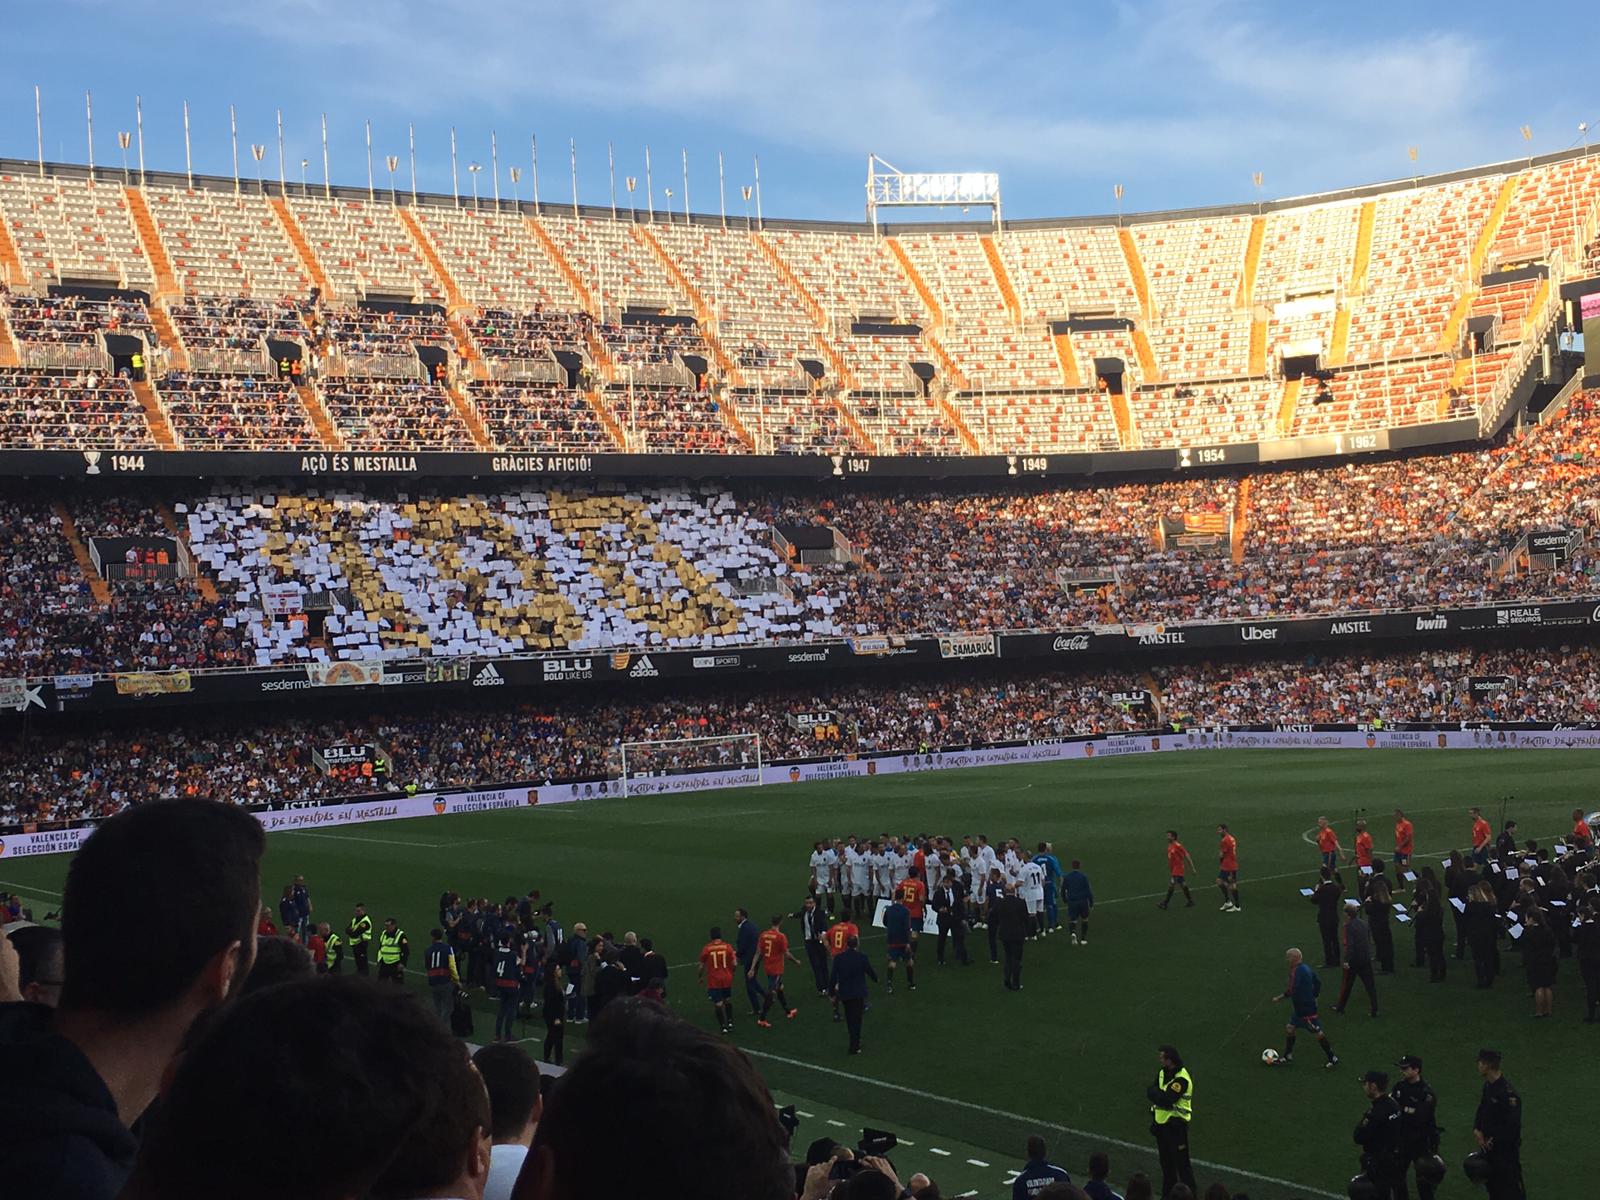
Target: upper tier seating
[211,412]
[66,227]
[365,248]
[1059,273]
[495,259]
[226,245]
[1195,269]
[1201,414]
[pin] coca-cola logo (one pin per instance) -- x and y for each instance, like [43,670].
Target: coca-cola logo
[1080,641]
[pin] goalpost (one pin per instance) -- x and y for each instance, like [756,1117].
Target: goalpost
[646,764]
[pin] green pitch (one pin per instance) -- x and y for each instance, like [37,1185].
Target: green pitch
[964,1067]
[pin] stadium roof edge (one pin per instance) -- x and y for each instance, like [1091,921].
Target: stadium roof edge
[222,183]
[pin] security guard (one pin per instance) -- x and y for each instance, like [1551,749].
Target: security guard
[1171,1109]
[359,935]
[1497,1129]
[393,952]
[334,963]
[442,977]
[1419,1127]
[137,363]
[1378,1135]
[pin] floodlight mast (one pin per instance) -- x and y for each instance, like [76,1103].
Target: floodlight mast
[893,188]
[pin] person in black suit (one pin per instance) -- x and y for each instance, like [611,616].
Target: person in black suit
[1328,897]
[1009,918]
[949,901]
[814,932]
[848,982]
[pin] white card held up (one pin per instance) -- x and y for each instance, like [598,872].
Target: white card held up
[1398,907]
[1366,870]
[1402,918]
[1513,873]
[1409,876]
[1445,864]
[1307,892]
[1515,931]
[1458,905]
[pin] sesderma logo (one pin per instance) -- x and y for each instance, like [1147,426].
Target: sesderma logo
[489,677]
[643,669]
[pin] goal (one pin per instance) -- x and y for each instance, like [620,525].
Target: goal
[684,764]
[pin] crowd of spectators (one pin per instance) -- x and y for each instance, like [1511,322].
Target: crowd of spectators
[537,334]
[229,323]
[72,410]
[248,759]
[673,420]
[528,417]
[361,331]
[651,343]
[75,320]
[229,412]
[395,415]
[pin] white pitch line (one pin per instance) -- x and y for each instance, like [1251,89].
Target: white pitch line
[835,1124]
[976,1162]
[1039,1124]
[349,837]
[28,890]
[939,1152]
[806,1115]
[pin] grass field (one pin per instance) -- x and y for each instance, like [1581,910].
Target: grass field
[967,1068]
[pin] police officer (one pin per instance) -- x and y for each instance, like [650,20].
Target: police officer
[1419,1128]
[1378,1135]
[1497,1129]
[1171,1099]
[442,979]
[359,934]
[393,952]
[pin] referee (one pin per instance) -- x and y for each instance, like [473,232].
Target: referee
[1171,1099]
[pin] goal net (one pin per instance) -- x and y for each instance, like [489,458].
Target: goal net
[689,764]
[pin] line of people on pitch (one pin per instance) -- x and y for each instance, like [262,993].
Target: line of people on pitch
[1545,905]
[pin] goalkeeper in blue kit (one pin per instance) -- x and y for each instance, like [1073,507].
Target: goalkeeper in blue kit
[1302,992]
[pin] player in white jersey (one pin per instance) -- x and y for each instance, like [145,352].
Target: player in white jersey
[899,864]
[1031,889]
[849,861]
[984,862]
[860,878]
[878,862]
[822,876]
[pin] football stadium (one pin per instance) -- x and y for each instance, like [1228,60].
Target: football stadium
[950,700]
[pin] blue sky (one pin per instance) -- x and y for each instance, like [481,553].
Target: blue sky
[1178,100]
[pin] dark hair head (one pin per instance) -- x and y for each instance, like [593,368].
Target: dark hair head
[1173,834]
[716,933]
[693,1106]
[915,873]
[198,863]
[853,942]
[1099,1165]
[278,960]
[1076,864]
[742,913]
[39,957]
[647,944]
[1138,1187]
[512,1081]
[436,934]
[868,1184]
[1036,1147]
[776,921]
[389,1122]
[1171,1054]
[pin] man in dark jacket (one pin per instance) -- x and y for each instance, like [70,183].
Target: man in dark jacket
[1008,916]
[1326,896]
[745,938]
[1419,1126]
[1357,957]
[949,901]
[848,983]
[1378,1135]
[72,1081]
[814,932]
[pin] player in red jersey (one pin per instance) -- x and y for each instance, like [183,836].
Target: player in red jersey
[1404,845]
[1363,847]
[839,935]
[1481,834]
[1177,857]
[1328,844]
[1582,835]
[1228,870]
[716,970]
[773,948]
[913,893]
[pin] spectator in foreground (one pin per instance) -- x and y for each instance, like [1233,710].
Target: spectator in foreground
[395,1104]
[1139,1187]
[39,963]
[697,1116]
[1039,1173]
[73,1081]
[512,1081]
[1096,1187]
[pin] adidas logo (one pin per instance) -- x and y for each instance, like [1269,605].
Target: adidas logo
[643,669]
[489,677]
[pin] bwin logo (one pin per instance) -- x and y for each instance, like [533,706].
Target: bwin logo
[489,677]
[1427,623]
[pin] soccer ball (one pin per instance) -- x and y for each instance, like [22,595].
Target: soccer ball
[1270,1058]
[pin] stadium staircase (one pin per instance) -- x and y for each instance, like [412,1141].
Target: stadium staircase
[320,420]
[1127,435]
[155,415]
[1288,405]
[166,281]
[607,419]
[852,426]
[702,310]
[9,354]
[207,589]
[1363,256]
[11,272]
[1068,358]
[1450,339]
[467,349]
[1146,355]
[553,251]
[453,300]
[468,412]
[1247,296]
[1241,521]
[1141,283]
[725,411]
[601,356]
[297,239]
[953,373]
[1339,343]
[171,344]
[98,587]
[959,423]
[1157,700]
[1002,278]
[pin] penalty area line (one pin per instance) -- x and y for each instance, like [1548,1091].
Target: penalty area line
[1035,1122]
